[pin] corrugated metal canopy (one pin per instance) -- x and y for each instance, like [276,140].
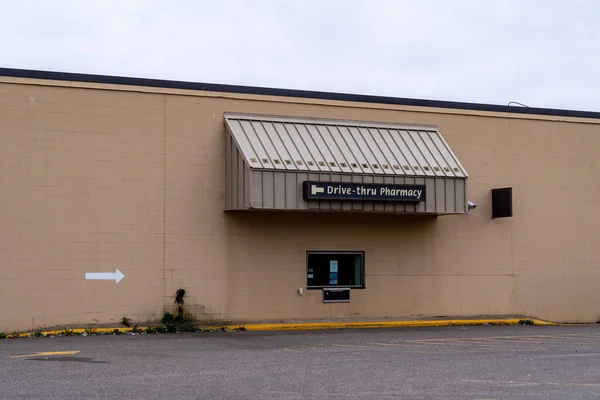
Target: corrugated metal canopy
[321,145]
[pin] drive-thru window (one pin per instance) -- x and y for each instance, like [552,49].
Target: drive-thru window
[335,269]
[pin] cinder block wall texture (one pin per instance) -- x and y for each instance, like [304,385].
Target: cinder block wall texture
[95,178]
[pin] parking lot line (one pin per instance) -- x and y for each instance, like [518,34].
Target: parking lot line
[47,353]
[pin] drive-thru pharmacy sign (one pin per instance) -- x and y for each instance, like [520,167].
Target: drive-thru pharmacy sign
[363,191]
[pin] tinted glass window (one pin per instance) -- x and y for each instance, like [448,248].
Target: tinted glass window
[328,269]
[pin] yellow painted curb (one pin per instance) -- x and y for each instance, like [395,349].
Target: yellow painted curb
[303,326]
[385,324]
[67,331]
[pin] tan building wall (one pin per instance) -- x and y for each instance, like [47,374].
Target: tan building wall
[96,177]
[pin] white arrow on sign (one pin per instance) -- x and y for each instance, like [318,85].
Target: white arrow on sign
[314,189]
[105,276]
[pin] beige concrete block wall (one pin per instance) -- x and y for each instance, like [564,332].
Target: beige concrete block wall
[81,190]
[95,179]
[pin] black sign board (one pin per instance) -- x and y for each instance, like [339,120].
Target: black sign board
[363,191]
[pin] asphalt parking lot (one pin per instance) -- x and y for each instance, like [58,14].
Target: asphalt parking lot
[482,362]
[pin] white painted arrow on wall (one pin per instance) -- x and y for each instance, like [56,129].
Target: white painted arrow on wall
[105,276]
[314,189]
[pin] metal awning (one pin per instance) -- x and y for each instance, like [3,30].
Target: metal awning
[292,151]
[294,144]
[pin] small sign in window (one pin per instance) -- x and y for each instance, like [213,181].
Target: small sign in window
[333,272]
[333,266]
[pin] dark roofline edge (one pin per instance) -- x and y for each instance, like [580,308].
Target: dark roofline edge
[308,94]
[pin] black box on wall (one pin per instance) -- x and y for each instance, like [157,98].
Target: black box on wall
[502,203]
[336,295]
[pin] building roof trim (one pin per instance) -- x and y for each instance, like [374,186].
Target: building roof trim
[291,144]
[307,94]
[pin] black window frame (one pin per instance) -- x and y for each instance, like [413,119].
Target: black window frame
[334,252]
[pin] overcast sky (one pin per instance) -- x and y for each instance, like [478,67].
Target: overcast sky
[543,53]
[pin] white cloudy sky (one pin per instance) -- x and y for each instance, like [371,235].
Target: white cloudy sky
[544,53]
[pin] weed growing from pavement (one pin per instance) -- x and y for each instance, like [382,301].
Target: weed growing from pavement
[90,330]
[170,324]
[70,332]
[526,322]
[175,324]
[167,318]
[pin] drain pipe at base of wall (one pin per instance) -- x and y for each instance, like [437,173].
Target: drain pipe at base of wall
[179,301]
